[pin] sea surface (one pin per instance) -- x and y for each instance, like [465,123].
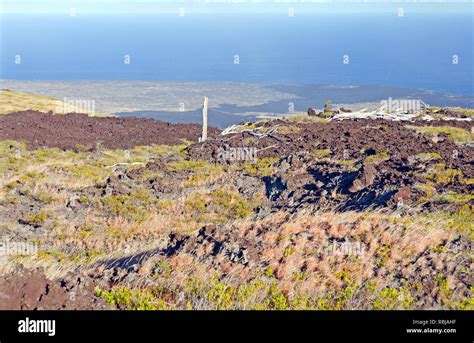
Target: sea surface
[380,48]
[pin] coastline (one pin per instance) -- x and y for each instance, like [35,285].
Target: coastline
[230,102]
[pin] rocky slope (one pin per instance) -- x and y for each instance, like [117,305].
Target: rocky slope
[281,214]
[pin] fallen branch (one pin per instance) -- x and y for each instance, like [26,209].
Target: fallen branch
[254,132]
[379,113]
[230,130]
[268,147]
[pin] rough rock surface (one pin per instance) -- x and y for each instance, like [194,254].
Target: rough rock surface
[67,131]
[26,289]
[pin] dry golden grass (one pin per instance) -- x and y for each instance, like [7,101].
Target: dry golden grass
[304,118]
[304,272]
[455,134]
[13,101]
[324,260]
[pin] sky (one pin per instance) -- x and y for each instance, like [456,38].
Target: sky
[224,6]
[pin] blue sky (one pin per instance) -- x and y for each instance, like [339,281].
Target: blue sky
[225,6]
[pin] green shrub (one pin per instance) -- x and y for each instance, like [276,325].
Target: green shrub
[441,175]
[38,218]
[321,153]
[232,204]
[392,299]
[263,166]
[377,158]
[133,206]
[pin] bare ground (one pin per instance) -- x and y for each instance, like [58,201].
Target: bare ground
[69,131]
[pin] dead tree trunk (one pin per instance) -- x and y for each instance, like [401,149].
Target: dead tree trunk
[204,121]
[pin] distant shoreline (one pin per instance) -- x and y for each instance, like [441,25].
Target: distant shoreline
[230,102]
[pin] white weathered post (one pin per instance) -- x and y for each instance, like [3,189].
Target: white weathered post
[204,120]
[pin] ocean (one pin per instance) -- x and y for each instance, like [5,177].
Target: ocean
[430,51]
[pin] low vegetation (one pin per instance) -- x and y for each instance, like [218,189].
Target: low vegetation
[304,118]
[317,273]
[13,101]
[156,228]
[455,134]
[218,206]
[262,167]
